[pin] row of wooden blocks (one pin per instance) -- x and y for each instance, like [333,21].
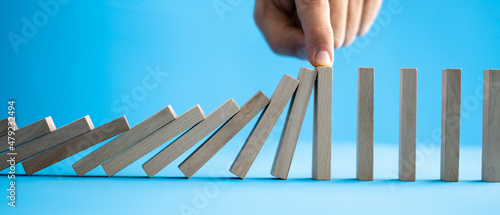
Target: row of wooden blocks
[40,144]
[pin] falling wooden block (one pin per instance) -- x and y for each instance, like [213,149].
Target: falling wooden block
[151,142]
[48,141]
[29,133]
[322,124]
[75,145]
[264,126]
[450,124]
[190,138]
[124,141]
[364,155]
[407,123]
[215,142]
[491,126]
[5,124]
[293,123]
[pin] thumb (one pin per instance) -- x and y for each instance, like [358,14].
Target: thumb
[314,17]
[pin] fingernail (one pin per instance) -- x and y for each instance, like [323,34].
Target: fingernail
[322,58]
[302,53]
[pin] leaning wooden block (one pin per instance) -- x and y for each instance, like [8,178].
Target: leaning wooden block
[215,142]
[190,138]
[322,124]
[293,123]
[407,124]
[450,124]
[48,141]
[124,141]
[491,126]
[29,133]
[364,148]
[75,145]
[5,124]
[151,142]
[264,126]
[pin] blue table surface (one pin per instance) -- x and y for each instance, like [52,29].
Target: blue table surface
[214,190]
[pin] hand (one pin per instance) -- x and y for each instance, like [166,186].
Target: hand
[311,29]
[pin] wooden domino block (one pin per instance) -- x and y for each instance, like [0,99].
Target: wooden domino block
[491,126]
[322,124]
[215,142]
[29,133]
[190,138]
[407,123]
[75,145]
[364,134]
[124,141]
[450,124]
[5,124]
[48,141]
[151,142]
[264,126]
[293,123]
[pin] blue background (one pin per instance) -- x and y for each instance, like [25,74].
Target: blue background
[87,56]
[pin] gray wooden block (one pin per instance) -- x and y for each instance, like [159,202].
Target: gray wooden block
[450,124]
[491,126]
[5,124]
[407,123]
[29,132]
[322,124]
[364,134]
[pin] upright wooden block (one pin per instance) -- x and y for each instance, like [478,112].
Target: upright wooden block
[264,126]
[75,145]
[322,124]
[190,138]
[48,141]
[215,142]
[491,126]
[151,142]
[293,123]
[4,125]
[124,141]
[450,124]
[29,132]
[364,136]
[407,124]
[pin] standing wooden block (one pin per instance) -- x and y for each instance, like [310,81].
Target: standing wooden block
[29,132]
[450,124]
[48,141]
[215,142]
[407,124]
[322,124]
[293,123]
[124,141]
[75,145]
[151,142]
[491,126]
[191,137]
[364,155]
[4,125]
[264,126]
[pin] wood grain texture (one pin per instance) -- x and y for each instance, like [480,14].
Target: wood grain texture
[48,141]
[264,126]
[190,138]
[322,124]
[29,132]
[75,145]
[293,123]
[364,134]
[491,126]
[124,141]
[219,139]
[154,140]
[4,125]
[407,123]
[450,124]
